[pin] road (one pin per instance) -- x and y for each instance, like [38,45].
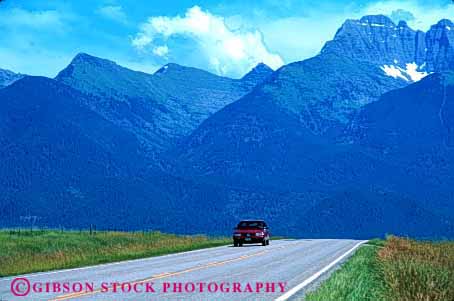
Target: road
[272,272]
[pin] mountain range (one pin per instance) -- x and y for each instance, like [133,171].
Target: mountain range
[313,102]
[354,142]
[160,108]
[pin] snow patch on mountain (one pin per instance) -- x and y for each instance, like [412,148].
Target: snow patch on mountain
[415,75]
[411,73]
[393,71]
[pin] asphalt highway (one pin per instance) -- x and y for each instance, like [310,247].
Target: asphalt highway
[279,271]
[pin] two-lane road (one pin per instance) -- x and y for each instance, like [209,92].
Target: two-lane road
[223,273]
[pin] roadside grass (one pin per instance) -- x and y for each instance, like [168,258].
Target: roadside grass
[358,279]
[418,270]
[397,269]
[43,250]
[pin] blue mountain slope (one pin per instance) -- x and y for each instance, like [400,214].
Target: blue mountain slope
[394,123]
[56,152]
[45,127]
[413,128]
[298,107]
[70,166]
[324,91]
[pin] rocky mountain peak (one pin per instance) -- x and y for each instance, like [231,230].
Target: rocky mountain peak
[84,60]
[169,67]
[376,39]
[258,74]
[262,67]
[82,56]
[400,51]
[96,75]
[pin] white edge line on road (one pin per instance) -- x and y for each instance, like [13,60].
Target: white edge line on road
[306,282]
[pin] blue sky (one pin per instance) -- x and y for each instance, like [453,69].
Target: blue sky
[225,37]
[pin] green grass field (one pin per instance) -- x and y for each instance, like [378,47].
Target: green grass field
[26,252]
[396,270]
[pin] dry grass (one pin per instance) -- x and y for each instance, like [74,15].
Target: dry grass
[27,252]
[419,271]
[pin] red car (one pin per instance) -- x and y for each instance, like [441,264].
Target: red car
[250,232]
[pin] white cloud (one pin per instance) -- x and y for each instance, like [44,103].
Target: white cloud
[402,15]
[113,12]
[227,51]
[38,19]
[161,50]
[141,41]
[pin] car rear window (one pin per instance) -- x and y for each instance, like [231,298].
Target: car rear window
[251,224]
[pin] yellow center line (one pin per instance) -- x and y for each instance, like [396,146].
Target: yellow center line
[165,275]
